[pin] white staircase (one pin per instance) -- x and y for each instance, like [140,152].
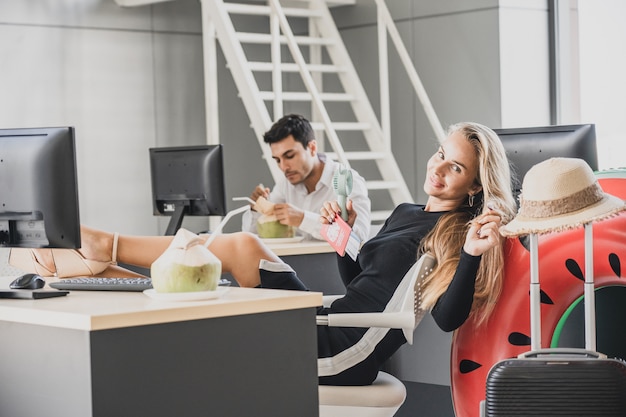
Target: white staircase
[287,56]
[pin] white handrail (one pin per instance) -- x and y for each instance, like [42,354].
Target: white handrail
[277,76]
[383,70]
[383,13]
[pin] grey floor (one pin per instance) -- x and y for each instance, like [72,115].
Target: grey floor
[426,400]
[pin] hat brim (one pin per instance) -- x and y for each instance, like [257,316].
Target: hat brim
[522,225]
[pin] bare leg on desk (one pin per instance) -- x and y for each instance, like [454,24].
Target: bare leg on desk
[240,253]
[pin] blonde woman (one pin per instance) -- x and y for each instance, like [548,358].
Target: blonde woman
[455,225]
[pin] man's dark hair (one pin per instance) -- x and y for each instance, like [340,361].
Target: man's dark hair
[291,124]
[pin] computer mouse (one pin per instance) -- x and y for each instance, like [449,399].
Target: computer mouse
[28,282]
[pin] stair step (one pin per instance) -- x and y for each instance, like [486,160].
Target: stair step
[293,67]
[343,126]
[266,38]
[381,185]
[304,96]
[253,9]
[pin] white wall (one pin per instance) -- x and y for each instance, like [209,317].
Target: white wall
[603,79]
[127,79]
[524,63]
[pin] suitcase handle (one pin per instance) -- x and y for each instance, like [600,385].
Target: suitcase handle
[562,351]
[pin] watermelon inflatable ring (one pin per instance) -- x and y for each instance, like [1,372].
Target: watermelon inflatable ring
[561,264]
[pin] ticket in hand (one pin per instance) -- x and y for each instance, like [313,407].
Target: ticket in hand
[339,235]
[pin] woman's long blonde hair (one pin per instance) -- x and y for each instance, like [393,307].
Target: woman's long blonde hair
[446,240]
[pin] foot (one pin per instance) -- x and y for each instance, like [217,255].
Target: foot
[45,258]
[96,245]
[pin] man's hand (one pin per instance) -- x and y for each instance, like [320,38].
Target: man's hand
[260,191]
[288,214]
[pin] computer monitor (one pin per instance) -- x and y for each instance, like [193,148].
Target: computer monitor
[528,146]
[38,188]
[187,180]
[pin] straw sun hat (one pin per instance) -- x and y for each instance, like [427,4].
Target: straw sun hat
[559,194]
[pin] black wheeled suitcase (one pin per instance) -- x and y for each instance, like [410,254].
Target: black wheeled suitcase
[558,381]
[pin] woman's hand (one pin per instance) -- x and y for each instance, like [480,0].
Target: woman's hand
[330,209]
[483,233]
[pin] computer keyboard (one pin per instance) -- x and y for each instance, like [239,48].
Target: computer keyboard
[103,284]
[108,284]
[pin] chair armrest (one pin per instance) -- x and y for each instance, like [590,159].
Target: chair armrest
[386,320]
[400,320]
[327,300]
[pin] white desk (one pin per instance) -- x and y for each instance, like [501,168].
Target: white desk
[305,247]
[250,352]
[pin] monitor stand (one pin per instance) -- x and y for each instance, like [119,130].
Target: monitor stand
[176,220]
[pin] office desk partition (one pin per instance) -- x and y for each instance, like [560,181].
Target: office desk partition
[305,247]
[251,352]
[314,261]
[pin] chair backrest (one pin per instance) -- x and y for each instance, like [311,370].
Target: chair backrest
[413,299]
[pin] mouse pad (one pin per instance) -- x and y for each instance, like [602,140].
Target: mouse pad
[32,294]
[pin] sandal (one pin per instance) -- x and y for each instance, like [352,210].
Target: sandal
[67,262]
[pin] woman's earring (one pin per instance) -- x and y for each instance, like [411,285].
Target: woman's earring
[470,200]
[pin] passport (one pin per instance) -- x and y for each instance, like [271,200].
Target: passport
[340,236]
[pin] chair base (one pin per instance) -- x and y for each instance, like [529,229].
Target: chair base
[381,399]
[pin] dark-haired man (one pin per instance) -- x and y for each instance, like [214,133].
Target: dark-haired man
[308,181]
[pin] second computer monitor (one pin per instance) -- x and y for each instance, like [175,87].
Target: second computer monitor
[187,180]
[528,146]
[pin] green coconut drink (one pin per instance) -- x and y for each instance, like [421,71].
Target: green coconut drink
[269,228]
[186,266]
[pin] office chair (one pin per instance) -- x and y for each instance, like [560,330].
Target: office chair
[385,396]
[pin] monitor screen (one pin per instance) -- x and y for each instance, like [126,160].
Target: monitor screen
[38,188]
[528,146]
[187,180]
